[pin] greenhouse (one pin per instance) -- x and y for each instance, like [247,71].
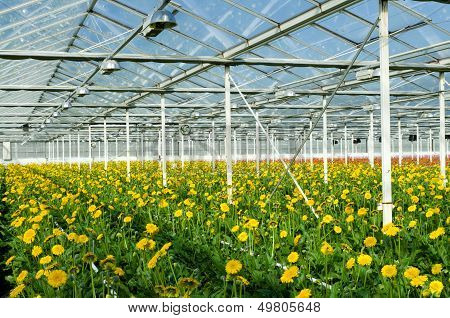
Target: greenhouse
[224,148]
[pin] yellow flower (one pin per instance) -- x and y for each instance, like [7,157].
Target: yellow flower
[189,214]
[362,211]
[350,219]
[9,260]
[418,281]
[412,208]
[163,204]
[45,260]
[297,239]
[364,260]
[39,274]
[242,237]
[389,271]
[367,196]
[310,202]
[326,249]
[436,287]
[327,219]
[304,293]
[224,207]
[92,208]
[412,224]
[72,236]
[23,274]
[82,239]
[57,278]
[153,261]
[178,213]
[235,228]
[411,272]
[151,228]
[350,263]
[57,249]
[370,241]
[337,229]
[289,275]
[127,219]
[414,199]
[390,230]
[436,269]
[119,271]
[28,236]
[293,257]
[142,244]
[233,267]
[439,232]
[17,291]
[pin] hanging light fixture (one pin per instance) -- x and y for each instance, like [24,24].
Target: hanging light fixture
[83,91]
[55,113]
[160,20]
[109,66]
[67,104]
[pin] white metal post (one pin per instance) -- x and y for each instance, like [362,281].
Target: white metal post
[105,145]
[90,146]
[142,148]
[213,146]
[70,150]
[385,114]
[400,142]
[63,152]
[235,146]
[228,135]
[257,144]
[430,145]
[246,147]
[442,150]
[370,141]
[267,146]
[353,146]
[163,140]
[127,146]
[332,147]
[345,144]
[172,149]
[325,144]
[78,150]
[310,144]
[418,145]
[57,150]
[117,147]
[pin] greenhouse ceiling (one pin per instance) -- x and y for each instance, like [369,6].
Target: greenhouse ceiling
[285,56]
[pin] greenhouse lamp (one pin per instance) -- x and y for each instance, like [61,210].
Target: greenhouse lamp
[82,91]
[160,20]
[67,104]
[109,66]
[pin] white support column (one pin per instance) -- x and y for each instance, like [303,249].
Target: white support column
[117,147]
[70,150]
[235,146]
[385,114]
[159,148]
[352,146]
[172,150]
[442,143]
[345,144]
[163,140]
[127,146]
[105,145]
[370,141]
[142,148]
[310,144]
[430,145]
[267,146]
[332,147]
[257,145]
[213,147]
[57,150]
[273,149]
[418,144]
[182,150]
[400,142]
[90,146]
[228,135]
[324,143]
[63,151]
[78,151]
[246,147]
[341,147]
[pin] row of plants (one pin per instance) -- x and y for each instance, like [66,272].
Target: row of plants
[95,233]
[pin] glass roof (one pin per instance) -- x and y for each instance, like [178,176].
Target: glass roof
[245,30]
